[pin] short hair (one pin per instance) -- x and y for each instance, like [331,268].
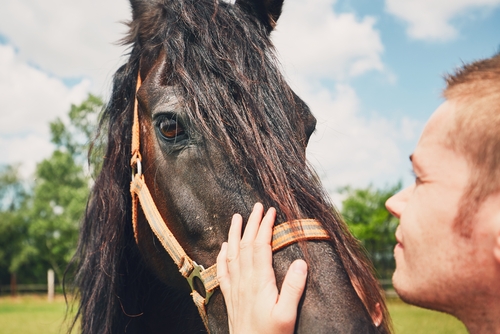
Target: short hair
[475,88]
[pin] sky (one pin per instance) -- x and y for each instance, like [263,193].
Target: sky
[370,70]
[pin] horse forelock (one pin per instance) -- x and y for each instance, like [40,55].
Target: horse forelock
[227,76]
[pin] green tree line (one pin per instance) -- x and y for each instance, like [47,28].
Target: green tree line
[364,212]
[39,219]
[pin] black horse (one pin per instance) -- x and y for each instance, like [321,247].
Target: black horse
[220,130]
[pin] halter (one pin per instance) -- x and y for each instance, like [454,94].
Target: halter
[284,234]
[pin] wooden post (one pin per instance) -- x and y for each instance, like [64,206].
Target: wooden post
[50,283]
[13,284]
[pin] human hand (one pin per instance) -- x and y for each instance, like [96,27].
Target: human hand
[247,281]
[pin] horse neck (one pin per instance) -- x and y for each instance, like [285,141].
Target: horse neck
[161,309]
[329,295]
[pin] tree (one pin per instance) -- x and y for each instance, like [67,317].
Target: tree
[74,137]
[368,219]
[13,224]
[59,198]
[39,222]
[62,187]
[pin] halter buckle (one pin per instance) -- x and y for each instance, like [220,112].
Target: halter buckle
[196,274]
[137,169]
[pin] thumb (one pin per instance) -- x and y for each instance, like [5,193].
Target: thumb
[293,287]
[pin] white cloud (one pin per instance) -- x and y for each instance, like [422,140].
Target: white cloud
[67,38]
[351,149]
[317,45]
[431,19]
[28,150]
[29,100]
[55,40]
[315,42]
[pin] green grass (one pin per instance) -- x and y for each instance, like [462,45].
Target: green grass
[33,314]
[408,319]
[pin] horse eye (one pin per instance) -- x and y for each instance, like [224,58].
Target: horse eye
[170,128]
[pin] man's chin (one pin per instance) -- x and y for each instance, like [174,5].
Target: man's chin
[403,287]
[410,292]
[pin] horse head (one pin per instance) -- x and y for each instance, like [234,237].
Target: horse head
[219,130]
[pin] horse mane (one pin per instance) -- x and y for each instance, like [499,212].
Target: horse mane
[223,65]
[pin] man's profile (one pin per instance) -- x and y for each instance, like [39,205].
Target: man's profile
[448,251]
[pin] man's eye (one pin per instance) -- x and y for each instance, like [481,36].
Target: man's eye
[170,128]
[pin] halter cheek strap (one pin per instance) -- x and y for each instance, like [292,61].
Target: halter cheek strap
[283,235]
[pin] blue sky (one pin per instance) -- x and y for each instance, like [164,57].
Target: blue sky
[371,71]
[420,63]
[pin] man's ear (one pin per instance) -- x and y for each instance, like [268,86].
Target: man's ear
[496,228]
[487,223]
[496,250]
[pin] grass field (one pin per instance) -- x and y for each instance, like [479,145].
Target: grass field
[33,314]
[409,319]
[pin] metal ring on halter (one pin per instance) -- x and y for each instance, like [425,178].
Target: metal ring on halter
[196,273]
[138,168]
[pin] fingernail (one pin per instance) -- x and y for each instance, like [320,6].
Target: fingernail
[300,267]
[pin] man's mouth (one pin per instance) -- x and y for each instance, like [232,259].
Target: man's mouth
[399,238]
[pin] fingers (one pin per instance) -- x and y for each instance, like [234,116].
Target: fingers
[238,246]
[247,244]
[232,261]
[233,240]
[263,255]
[292,289]
[224,279]
[253,224]
[265,233]
[247,281]
[222,271]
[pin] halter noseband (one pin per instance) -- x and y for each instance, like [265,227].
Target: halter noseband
[284,234]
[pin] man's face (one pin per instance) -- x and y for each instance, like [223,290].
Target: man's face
[434,264]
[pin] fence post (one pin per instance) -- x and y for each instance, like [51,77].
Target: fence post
[13,284]
[50,283]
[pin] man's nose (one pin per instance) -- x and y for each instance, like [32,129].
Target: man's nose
[396,204]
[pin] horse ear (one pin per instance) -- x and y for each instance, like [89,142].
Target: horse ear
[267,11]
[139,7]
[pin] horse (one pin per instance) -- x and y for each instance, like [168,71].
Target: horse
[219,130]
